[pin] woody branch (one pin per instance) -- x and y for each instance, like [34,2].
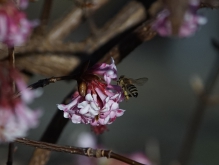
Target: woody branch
[90,152]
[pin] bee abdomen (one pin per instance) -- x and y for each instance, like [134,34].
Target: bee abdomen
[133,90]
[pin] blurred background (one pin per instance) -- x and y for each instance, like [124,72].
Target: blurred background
[164,106]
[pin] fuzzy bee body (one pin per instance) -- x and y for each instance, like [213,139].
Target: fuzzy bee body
[128,87]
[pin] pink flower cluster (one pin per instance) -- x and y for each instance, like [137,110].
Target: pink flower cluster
[100,105]
[189,25]
[14,26]
[15,116]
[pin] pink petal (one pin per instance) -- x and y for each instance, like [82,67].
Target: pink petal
[107,79]
[120,112]
[112,114]
[104,121]
[101,94]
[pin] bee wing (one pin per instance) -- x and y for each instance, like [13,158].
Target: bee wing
[140,81]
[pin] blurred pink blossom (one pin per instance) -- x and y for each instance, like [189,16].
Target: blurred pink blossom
[22,4]
[100,105]
[16,118]
[14,26]
[189,25]
[137,156]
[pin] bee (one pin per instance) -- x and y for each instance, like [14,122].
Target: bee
[128,87]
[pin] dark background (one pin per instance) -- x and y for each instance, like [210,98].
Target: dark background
[164,106]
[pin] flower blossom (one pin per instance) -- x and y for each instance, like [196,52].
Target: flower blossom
[21,3]
[99,105]
[16,118]
[14,26]
[137,156]
[190,23]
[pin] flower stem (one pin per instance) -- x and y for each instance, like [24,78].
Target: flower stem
[44,18]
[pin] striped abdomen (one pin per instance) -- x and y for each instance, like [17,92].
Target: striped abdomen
[133,90]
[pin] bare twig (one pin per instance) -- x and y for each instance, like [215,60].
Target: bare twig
[89,152]
[44,18]
[66,57]
[44,82]
[71,21]
[191,135]
[11,58]
[50,56]
[129,43]
[213,4]
[130,15]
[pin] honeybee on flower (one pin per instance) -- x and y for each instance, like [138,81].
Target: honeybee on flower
[97,100]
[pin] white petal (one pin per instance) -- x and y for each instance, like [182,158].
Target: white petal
[94,106]
[84,110]
[65,114]
[93,112]
[107,99]
[83,104]
[61,106]
[89,98]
